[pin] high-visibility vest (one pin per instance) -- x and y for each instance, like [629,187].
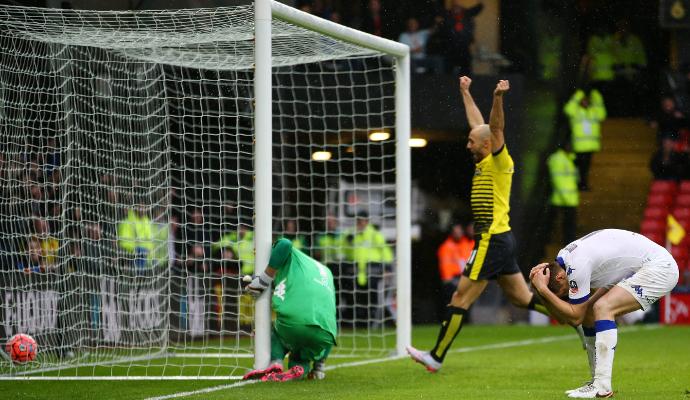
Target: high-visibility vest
[564,178]
[243,247]
[135,232]
[600,50]
[331,246]
[585,123]
[369,246]
[629,53]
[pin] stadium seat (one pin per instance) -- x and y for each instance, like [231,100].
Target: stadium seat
[683,201]
[655,213]
[659,200]
[656,237]
[680,254]
[653,225]
[684,187]
[660,186]
[681,213]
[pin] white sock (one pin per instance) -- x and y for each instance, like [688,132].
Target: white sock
[606,340]
[590,338]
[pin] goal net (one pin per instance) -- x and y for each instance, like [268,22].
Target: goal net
[128,171]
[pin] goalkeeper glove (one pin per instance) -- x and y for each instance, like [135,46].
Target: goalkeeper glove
[259,284]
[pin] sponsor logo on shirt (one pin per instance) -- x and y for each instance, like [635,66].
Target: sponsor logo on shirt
[573,287]
[280,290]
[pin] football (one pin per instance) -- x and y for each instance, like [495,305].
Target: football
[21,348]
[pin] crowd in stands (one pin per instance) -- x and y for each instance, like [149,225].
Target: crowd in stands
[441,44]
[107,227]
[671,161]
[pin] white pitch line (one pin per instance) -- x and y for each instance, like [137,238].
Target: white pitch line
[514,343]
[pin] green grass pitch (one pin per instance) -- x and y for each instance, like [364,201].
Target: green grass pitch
[486,362]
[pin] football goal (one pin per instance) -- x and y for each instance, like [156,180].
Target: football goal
[148,159]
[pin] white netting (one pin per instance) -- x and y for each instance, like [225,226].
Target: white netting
[127,181]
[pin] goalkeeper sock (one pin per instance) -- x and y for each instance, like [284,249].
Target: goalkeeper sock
[449,330]
[536,305]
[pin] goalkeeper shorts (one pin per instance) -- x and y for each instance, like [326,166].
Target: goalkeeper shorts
[304,342]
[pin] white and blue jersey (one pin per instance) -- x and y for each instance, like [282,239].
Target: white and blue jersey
[608,257]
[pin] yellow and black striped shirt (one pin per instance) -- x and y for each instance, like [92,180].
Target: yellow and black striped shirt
[493,177]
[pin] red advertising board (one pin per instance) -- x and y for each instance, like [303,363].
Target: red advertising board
[675,311]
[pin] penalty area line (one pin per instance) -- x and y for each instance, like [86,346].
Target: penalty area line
[494,346]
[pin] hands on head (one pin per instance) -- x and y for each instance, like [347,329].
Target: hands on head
[539,276]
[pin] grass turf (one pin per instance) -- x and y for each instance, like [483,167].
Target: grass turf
[651,363]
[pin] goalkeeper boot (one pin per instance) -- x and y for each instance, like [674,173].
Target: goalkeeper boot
[296,372]
[260,373]
[318,371]
[590,392]
[424,358]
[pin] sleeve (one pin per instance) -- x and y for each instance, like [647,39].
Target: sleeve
[572,104]
[598,105]
[386,252]
[280,254]
[125,235]
[502,159]
[578,283]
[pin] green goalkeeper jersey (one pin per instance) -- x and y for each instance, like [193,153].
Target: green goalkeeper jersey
[304,293]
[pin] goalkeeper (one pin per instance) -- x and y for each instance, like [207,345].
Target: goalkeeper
[304,303]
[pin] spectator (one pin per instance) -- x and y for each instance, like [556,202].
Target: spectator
[460,25]
[630,64]
[198,241]
[290,232]
[669,121]
[564,193]
[599,59]
[437,45]
[330,245]
[371,256]
[630,59]
[32,260]
[586,112]
[48,244]
[452,257]
[372,21]
[416,39]
[667,164]
[241,244]
[135,236]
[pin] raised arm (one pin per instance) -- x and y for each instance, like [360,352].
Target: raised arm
[474,116]
[496,119]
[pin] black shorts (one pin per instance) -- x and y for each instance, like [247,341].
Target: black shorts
[493,255]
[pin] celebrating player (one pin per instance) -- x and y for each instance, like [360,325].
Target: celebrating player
[604,274]
[493,256]
[304,303]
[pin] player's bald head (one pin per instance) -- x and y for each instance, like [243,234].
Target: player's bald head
[479,142]
[481,132]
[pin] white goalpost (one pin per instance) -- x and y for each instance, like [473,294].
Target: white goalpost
[150,158]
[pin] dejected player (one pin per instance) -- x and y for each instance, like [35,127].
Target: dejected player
[304,303]
[604,274]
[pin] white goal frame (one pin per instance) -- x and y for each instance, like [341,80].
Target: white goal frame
[265,10]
